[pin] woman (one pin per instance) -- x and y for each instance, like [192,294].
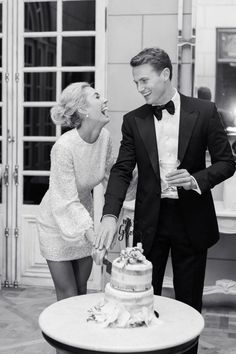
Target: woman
[80,159]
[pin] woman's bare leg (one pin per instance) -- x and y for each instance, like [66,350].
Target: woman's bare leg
[82,270]
[64,282]
[70,279]
[63,278]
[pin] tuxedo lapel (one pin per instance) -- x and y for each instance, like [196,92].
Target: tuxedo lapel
[147,132]
[188,118]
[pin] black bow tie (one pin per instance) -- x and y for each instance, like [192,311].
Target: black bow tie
[157,110]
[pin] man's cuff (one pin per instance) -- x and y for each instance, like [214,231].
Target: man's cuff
[195,185]
[110,215]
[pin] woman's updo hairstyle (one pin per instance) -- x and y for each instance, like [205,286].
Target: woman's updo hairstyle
[66,111]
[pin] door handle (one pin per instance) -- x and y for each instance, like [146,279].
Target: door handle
[16,175]
[10,138]
[6,175]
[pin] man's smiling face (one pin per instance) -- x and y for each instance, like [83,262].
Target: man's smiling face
[150,83]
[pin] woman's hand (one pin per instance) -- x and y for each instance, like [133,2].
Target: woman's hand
[98,255]
[90,234]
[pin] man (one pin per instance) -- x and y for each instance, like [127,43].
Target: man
[204,93]
[168,127]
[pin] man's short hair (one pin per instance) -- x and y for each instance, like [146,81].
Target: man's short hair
[154,56]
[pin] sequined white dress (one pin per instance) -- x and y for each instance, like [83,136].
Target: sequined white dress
[66,210]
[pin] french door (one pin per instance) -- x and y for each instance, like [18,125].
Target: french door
[44,46]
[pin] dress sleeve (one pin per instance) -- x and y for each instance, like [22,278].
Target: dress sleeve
[70,215]
[110,160]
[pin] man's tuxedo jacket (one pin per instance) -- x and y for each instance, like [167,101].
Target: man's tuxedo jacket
[200,130]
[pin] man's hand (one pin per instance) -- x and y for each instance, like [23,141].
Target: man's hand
[180,178]
[106,232]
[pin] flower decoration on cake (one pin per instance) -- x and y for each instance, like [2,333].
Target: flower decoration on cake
[132,255]
[112,314]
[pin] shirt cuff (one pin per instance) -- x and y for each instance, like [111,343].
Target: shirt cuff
[110,215]
[196,188]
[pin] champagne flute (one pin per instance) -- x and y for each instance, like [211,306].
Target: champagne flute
[167,166]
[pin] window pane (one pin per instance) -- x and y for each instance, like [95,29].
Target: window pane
[226,92]
[0,120]
[34,189]
[0,18]
[40,16]
[40,51]
[227,45]
[40,86]
[79,15]
[69,77]
[37,122]
[37,155]
[0,86]
[0,51]
[78,51]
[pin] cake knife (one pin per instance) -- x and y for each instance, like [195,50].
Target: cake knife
[108,265]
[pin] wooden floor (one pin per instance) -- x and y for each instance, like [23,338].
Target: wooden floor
[19,331]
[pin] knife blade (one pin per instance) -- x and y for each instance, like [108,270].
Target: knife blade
[108,265]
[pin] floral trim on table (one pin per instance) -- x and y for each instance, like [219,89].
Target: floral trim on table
[114,314]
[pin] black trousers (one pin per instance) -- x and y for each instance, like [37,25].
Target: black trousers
[188,264]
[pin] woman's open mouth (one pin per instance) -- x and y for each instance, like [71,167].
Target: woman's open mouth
[104,110]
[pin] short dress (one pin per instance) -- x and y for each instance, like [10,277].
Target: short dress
[66,210]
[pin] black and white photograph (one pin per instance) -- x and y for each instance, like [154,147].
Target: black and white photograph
[117,176]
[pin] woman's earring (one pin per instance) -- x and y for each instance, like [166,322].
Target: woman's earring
[87,115]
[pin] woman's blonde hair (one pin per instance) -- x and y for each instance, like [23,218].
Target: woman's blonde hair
[66,111]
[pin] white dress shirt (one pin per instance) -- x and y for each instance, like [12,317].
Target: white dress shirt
[167,136]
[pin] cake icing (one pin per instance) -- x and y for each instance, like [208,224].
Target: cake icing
[131,301]
[131,277]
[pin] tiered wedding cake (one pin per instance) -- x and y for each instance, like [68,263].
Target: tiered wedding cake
[128,300]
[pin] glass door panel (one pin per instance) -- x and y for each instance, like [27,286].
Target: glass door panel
[40,86]
[40,51]
[85,15]
[37,155]
[69,77]
[56,43]
[0,18]
[40,16]
[37,122]
[0,51]
[34,188]
[78,51]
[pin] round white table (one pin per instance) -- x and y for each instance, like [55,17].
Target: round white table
[64,325]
